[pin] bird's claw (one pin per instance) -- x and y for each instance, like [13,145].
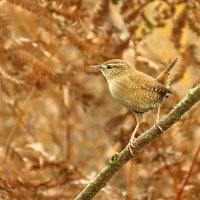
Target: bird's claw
[157,125]
[131,145]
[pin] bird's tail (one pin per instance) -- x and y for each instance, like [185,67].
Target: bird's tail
[164,76]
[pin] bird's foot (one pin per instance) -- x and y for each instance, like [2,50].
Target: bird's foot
[131,145]
[157,125]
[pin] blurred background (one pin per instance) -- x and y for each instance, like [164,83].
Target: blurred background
[58,122]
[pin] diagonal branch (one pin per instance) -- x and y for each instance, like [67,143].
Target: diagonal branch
[120,159]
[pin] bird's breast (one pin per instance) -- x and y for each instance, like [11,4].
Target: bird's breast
[121,92]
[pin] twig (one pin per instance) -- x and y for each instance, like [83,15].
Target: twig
[120,159]
[68,137]
[18,120]
[185,180]
[8,77]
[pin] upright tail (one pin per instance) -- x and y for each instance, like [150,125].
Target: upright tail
[164,76]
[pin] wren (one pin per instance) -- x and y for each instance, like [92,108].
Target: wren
[135,90]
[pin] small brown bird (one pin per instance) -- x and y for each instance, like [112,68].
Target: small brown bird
[135,90]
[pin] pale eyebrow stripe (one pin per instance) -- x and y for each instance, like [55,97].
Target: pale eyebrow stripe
[111,64]
[121,64]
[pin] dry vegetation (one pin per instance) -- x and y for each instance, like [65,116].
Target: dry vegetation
[58,122]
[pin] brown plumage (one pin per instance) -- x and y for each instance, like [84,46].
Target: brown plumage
[164,76]
[135,90]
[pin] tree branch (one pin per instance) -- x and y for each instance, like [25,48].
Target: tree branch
[120,159]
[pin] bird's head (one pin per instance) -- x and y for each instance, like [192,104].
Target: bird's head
[114,68]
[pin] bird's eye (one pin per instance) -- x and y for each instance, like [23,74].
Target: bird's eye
[109,66]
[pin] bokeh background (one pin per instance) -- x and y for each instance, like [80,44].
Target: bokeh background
[58,122]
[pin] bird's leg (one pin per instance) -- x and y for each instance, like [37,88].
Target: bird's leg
[158,114]
[139,119]
[157,124]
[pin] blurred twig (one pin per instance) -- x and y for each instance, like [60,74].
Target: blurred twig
[68,137]
[67,103]
[8,77]
[18,121]
[120,159]
[186,179]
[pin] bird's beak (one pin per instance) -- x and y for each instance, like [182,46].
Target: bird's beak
[96,66]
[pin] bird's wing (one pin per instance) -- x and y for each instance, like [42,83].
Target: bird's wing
[147,82]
